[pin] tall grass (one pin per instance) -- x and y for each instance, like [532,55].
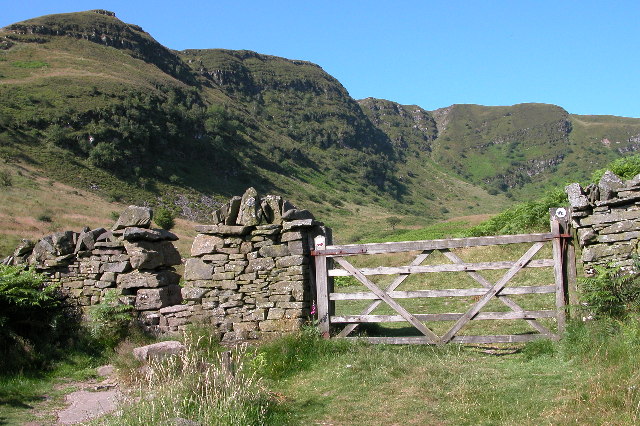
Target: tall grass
[610,350]
[195,386]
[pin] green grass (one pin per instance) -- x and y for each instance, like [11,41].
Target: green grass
[29,64]
[426,385]
[33,396]
[588,378]
[432,232]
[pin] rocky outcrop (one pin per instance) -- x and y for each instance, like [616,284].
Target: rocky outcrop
[102,27]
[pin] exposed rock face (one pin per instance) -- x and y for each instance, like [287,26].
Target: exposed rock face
[253,210]
[135,234]
[155,298]
[152,254]
[607,220]
[577,198]
[609,185]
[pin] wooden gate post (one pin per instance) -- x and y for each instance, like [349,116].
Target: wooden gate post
[558,215]
[322,286]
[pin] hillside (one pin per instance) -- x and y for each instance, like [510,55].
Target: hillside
[100,105]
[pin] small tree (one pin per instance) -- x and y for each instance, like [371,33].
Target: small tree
[393,221]
[110,319]
[164,218]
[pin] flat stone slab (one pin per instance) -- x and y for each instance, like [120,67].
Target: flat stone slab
[86,405]
[158,350]
[223,229]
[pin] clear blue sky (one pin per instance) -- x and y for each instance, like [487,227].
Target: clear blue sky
[581,55]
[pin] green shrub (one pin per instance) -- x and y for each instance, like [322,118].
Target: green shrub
[525,217]
[612,292]
[105,155]
[625,168]
[45,217]
[5,178]
[110,319]
[175,179]
[164,218]
[115,196]
[393,221]
[22,292]
[33,317]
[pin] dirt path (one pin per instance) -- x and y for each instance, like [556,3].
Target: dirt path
[88,404]
[91,400]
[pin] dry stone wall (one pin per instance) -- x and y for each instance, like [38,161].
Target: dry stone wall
[131,259]
[606,218]
[249,274]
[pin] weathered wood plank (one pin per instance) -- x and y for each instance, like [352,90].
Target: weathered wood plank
[491,292]
[452,292]
[558,272]
[322,288]
[396,282]
[509,338]
[392,303]
[572,280]
[460,267]
[394,247]
[501,296]
[443,317]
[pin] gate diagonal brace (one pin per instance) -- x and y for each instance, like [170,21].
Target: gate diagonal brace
[396,282]
[504,299]
[431,336]
[491,292]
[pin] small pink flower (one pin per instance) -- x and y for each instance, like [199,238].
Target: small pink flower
[313,308]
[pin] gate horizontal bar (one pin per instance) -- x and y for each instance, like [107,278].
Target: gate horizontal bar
[511,315]
[453,292]
[394,247]
[509,338]
[453,267]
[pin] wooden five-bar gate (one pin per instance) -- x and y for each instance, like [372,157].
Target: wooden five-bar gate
[563,264]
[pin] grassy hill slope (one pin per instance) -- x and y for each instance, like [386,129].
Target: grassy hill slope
[98,104]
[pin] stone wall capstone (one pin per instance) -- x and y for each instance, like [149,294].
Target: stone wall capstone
[606,218]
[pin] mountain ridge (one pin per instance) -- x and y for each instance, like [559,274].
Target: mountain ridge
[99,103]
